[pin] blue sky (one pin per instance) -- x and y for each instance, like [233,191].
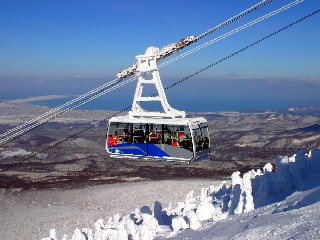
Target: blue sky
[71,47]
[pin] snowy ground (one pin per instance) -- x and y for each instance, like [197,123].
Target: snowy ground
[31,214]
[296,217]
[261,204]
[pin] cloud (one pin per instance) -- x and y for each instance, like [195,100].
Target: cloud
[272,80]
[311,80]
[85,76]
[35,98]
[40,81]
[234,76]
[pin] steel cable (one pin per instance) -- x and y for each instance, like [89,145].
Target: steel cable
[97,91]
[114,84]
[166,88]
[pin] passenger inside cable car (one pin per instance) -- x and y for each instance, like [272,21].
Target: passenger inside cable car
[157,140]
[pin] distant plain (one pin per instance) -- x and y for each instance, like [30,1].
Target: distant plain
[239,141]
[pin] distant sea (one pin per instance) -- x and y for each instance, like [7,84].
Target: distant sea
[200,104]
[197,96]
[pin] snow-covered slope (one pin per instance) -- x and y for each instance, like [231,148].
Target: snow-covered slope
[295,217]
[260,204]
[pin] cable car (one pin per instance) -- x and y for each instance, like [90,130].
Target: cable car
[157,135]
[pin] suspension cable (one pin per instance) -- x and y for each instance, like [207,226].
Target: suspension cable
[242,49]
[43,121]
[60,107]
[166,88]
[232,32]
[234,18]
[102,88]
[120,82]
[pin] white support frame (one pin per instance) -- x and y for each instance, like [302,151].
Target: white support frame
[147,64]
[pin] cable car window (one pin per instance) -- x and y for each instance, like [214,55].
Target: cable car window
[139,133]
[119,133]
[205,136]
[198,139]
[177,136]
[167,137]
[184,138]
[155,133]
[171,135]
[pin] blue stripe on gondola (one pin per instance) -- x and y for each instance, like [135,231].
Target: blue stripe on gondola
[153,150]
[139,149]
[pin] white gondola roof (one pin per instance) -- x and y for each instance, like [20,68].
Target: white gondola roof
[168,121]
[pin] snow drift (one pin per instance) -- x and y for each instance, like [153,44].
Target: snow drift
[252,190]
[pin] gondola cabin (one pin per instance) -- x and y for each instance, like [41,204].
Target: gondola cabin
[184,139]
[160,135]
